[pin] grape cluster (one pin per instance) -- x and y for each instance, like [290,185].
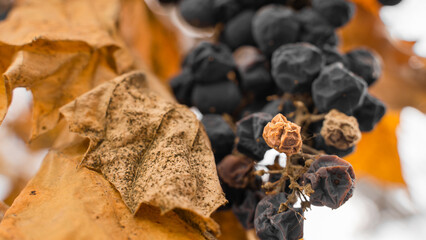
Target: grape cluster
[274,78]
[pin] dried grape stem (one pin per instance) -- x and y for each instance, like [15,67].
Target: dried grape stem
[307,149]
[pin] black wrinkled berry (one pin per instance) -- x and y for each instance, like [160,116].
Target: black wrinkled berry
[249,133]
[332,179]
[279,106]
[332,55]
[294,66]
[273,26]
[389,2]
[254,71]
[338,88]
[237,32]
[220,134]
[222,97]
[315,29]
[319,144]
[225,10]
[182,85]
[336,12]
[369,113]
[365,64]
[245,209]
[271,225]
[198,13]
[211,63]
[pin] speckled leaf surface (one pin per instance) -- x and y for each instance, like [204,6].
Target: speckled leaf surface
[152,150]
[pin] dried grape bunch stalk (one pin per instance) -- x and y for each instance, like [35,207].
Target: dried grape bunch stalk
[274,73]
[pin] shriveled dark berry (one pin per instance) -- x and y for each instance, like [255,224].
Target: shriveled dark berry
[237,32]
[332,55]
[198,13]
[283,135]
[340,130]
[315,29]
[225,9]
[295,66]
[271,225]
[236,170]
[369,113]
[221,97]
[182,85]
[220,134]
[389,2]
[211,63]
[249,133]
[273,26]
[336,12]
[332,179]
[168,1]
[365,64]
[233,195]
[279,106]
[251,108]
[245,210]
[319,143]
[254,71]
[338,88]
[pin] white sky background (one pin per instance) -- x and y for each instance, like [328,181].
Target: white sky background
[360,217]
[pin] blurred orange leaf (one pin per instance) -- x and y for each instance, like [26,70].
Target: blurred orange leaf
[3,209]
[58,50]
[151,37]
[376,154]
[403,79]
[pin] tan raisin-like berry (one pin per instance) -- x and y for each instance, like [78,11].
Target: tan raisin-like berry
[340,131]
[283,135]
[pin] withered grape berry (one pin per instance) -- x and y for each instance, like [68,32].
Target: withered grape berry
[237,32]
[211,63]
[220,134]
[315,29]
[198,13]
[273,26]
[340,131]
[332,179]
[271,225]
[319,144]
[283,135]
[338,88]
[225,9]
[235,170]
[279,106]
[294,66]
[332,55]
[251,108]
[245,209]
[369,113]
[168,1]
[365,64]
[336,12]
[389,2]
[182,85]
[249,133]
[222,97]
[254,71]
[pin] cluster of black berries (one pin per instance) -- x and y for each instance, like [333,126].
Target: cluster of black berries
[273,78]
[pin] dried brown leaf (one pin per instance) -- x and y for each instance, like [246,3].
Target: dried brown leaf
[3,209]
[58,50]
[152,150]
[66,202]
